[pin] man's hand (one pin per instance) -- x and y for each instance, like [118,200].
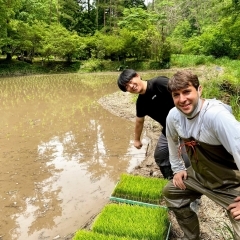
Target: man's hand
[234,208]
[178,179]
[137,144]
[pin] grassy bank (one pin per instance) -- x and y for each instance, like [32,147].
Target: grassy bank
[20,68]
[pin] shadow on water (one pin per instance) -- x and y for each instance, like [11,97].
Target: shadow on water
[61,153]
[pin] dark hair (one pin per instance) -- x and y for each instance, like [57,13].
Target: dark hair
[125,77]
[182,79]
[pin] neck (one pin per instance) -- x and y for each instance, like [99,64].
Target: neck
[196,110]
[144,87]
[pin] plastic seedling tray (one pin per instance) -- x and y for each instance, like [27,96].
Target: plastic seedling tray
[138,190]
[133,221]
[123,200]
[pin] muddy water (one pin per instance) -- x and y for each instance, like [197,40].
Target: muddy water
[61,153]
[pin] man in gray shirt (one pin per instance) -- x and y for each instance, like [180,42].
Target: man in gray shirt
[211,135]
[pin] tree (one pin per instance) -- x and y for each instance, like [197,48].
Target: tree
[59,42]
[108,12]
[134,4]
[4,18]
[145,39]
[40,10]
[69,10]
[8,11]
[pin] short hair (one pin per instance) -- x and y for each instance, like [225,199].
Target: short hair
[182,79]
[125,77]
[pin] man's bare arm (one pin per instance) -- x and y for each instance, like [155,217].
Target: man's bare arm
[138,132]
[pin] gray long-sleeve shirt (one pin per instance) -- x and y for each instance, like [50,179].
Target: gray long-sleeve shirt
[214,125]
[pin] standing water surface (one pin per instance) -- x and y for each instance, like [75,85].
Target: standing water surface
[61,153]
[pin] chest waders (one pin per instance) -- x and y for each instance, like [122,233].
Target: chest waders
[213,173]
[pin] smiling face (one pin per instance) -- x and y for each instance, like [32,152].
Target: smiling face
[136,85]
[186,99]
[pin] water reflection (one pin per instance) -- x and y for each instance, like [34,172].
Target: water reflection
[61,153]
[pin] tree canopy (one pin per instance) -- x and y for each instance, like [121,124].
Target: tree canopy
[118,29]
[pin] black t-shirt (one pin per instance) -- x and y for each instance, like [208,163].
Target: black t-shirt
[156,102]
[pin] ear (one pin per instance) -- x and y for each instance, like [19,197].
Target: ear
[200,90]
[138,76]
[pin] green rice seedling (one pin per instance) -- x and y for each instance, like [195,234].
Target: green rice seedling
[139,188]
[226,232]
[133,221]
[89,235]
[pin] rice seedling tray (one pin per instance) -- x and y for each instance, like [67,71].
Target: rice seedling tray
[133,222]
[139,190]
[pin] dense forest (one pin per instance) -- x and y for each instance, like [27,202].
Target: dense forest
[118,29]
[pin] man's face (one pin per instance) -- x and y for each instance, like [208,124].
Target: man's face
[135,85]
[186,99]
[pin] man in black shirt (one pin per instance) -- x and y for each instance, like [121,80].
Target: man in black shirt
[155,101]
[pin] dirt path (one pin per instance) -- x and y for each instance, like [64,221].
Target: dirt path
[211,216]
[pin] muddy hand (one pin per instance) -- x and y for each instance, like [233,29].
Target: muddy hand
[234,208]
[137,144]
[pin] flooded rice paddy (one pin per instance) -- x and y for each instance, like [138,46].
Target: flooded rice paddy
[61,153]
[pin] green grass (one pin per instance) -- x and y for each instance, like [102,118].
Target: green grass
[225,88]
[183,60]
[20,68]
[139,188]
[132,221]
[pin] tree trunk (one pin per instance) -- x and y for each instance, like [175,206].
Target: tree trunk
[9,57]
[97,7]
